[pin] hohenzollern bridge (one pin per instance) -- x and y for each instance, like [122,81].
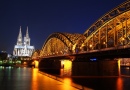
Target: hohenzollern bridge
[95,52]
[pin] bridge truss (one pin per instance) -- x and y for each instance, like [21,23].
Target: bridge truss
[112,30]
[61,43]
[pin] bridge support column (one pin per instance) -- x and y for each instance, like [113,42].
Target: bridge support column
[96,68]
[109,68]
[50,66]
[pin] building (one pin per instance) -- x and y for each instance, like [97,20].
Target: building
[23,48]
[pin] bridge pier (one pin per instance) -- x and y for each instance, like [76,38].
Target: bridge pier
[50,66]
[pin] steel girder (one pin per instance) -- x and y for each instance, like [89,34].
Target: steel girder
[111,30]
[124,7]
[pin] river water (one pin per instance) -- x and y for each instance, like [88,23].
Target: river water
[24,77]
[29,79]
[107,83]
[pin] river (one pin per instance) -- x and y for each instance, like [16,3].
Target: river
[26,79]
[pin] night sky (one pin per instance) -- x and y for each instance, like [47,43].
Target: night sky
[44,17]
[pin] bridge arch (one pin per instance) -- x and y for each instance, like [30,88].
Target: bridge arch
[112,30]
[35,55]
[60,43]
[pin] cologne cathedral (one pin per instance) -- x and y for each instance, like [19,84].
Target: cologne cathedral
[23,47]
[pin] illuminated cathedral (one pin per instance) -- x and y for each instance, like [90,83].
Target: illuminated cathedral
[23,47]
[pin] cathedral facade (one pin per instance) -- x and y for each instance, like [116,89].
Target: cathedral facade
[23,47]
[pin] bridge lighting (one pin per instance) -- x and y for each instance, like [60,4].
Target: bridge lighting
[123,39]
[90,45]
[104,42]
[62,62]
[24,63]
[67,66]
[36,63]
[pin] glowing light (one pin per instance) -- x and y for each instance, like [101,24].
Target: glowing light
[62,62]
[36,63]
[32,63]
[0,62]
[1,67]
[67,81]
[93,59]
[123,39]
[67,65]
[90,45]
[104,42]
[10,61]
[24,63]
[119,67]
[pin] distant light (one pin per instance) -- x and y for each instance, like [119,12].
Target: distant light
[93,59]
[3,51]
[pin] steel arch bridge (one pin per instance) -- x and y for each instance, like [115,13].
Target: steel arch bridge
[61,43]
[110,31]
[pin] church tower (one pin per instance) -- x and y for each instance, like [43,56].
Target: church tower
[19,39]
[23,47]
[27,38]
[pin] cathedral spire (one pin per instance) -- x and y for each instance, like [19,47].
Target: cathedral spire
[19,40]
[27,39]
[27,35]
[20,33]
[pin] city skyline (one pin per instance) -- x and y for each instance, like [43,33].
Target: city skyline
[46,17]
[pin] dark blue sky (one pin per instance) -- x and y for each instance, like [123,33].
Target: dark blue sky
[44,17]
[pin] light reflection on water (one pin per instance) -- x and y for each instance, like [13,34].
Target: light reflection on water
[119,84]
[68,81]
[32,80]
[34,85]
[41,82]
[107,83]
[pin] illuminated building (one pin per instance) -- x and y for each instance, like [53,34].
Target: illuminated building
[22,47]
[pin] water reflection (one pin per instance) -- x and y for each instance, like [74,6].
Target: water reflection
[34,85]
[107,83]
[31,79]
[68,81]
[41,82]
[119,84]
